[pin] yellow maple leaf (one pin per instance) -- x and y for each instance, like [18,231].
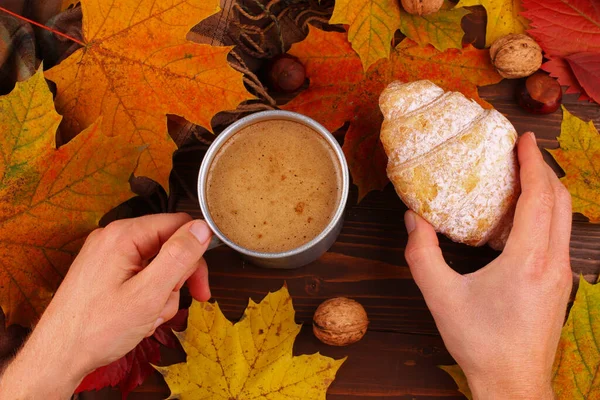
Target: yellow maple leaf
[372,24]
[577,359]
[50,198]
[460,378]
[249,360]
[579,157]
[136,66]
[503,17]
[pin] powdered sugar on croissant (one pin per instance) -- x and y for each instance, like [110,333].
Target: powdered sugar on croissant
[451,161]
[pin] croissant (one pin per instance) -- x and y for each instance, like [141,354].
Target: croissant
[451,161]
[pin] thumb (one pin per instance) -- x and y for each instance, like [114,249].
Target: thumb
[177,259]
[425,259]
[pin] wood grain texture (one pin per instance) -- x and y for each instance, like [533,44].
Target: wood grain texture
[398,357]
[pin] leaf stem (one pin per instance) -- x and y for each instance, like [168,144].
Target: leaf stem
[42,26]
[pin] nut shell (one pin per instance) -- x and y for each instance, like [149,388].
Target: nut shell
[516,56]
[539,94]
[286,74]
[422,7]
[340,322]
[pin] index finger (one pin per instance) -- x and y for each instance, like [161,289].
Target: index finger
[533,215]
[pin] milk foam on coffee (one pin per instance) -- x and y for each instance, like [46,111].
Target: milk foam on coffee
[274,186]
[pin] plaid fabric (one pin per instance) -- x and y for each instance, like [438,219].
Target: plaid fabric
[54,48]
[19,47]
[37,10]
[17,52]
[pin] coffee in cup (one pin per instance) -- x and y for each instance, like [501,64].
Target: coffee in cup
[274,185]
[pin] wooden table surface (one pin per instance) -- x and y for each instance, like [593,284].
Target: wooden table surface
[398,357]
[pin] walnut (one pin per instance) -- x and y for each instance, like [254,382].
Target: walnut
[340,322]
[422,7]
[516,56]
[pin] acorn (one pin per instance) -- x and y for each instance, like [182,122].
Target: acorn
[340,322]
[539,94]
[285,73]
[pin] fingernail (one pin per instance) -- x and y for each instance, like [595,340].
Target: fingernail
[532,136]
[201,231]
[158,323]
[410,221]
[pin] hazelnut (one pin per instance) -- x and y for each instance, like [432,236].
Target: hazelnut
[422,7]
[340,322]
[516,56]
[285,73]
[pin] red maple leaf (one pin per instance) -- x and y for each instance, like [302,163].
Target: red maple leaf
[131,370]
[560,69]
[564,29]
[586,67]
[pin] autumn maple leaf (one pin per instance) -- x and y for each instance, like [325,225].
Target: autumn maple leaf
[579,157]
[372,24]
[136,67]
[503,17]
[586,68]
[50,198]
[340,92]
[456,372]
[564,29]
[559,68]
[578,357]
[249,360]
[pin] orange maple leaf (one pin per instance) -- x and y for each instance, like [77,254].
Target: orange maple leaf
[50,199]
[340,92]
[136,67]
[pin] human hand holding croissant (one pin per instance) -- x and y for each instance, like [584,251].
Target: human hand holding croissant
[502,323]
